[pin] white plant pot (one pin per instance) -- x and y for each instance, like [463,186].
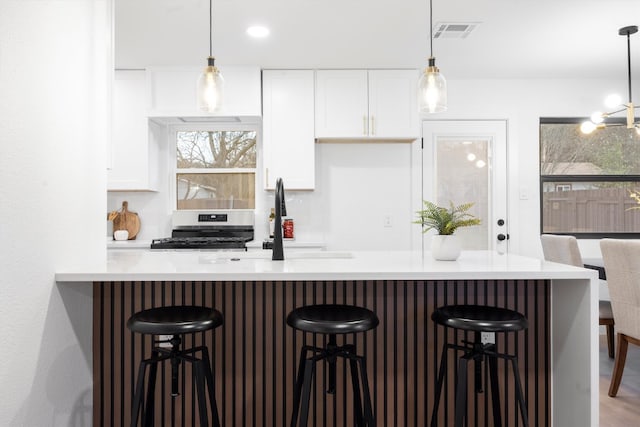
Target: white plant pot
[445,248]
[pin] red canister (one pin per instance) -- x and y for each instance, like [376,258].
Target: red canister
[287,226]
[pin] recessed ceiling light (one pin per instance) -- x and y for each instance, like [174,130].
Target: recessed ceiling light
[258,31]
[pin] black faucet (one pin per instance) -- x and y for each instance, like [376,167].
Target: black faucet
[281,210]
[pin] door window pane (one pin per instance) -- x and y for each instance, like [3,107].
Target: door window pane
[462,176]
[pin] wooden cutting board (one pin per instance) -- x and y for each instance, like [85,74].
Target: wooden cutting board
[124,219]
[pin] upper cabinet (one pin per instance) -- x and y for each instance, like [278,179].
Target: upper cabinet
[172,91]
[367,104]
[287,119]
[132,158]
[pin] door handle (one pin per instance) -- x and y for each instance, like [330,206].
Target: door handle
[502,237]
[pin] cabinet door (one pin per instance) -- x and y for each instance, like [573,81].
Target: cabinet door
[172,91]
[341,104]
[288,115]
[130,150]
[393,104]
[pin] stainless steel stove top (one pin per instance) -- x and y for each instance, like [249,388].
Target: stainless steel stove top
[209,230]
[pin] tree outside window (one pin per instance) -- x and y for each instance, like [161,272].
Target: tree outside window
[215,169]
[586,181]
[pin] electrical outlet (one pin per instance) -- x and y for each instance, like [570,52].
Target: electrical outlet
[164,338]
[488,337]
[386,221]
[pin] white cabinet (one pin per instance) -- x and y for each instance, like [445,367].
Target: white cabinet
[132,157]
[370,104]
[173,92]
[288,137]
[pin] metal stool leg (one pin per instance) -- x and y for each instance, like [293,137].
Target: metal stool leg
[331,361]
[357,402]
[137,399]
[439,382]
[495,391]
[461,390]
[297,391]
[519,394]
[309,370]
[202,400]
[366,395]
[212,393]
[149,410]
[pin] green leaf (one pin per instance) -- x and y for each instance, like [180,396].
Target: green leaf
[445,221]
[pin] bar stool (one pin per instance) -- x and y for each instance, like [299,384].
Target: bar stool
[478,319]
[332,319]
[175,321]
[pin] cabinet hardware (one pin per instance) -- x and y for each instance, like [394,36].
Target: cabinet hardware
[373,126]
[364,125]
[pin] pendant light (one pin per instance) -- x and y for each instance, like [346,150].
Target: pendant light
[615,101]
[210,82]
[432,87]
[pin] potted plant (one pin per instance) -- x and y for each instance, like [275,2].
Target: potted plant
[445,246]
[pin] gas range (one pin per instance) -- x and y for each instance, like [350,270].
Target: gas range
[213,230]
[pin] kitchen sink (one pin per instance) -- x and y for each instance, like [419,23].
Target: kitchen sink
[266,255]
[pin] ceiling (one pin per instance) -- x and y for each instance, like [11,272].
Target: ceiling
[513,38]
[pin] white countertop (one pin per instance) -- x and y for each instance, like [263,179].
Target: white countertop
[202,265]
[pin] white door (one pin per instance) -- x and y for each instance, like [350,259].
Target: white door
[466,161]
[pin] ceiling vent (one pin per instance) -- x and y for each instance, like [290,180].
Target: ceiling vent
[453,30]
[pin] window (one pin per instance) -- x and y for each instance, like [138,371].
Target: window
[588,182]
[215,168]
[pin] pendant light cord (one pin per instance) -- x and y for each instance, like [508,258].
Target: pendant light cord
[431,26]
[629,64]
[210,27]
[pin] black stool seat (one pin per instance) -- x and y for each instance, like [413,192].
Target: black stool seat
[332,319]
[479,318]
[174,320]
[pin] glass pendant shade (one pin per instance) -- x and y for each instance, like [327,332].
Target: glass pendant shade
[210,89]
[432,90]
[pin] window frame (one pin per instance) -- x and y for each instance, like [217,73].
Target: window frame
[210,127]
[560,179]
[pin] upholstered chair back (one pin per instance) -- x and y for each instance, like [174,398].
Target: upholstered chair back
[561,249]
[622,264]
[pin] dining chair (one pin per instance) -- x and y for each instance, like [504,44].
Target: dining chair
[621,263]
[565,250]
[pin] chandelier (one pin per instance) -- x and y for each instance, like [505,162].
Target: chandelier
[614,102]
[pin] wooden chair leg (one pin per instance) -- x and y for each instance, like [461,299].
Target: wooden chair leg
[618,366]
[610,340]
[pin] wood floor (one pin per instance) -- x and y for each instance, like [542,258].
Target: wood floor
[624,409]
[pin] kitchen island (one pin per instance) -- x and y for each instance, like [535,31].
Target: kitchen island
[255,353]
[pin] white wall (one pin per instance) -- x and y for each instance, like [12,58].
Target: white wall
[53,68]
